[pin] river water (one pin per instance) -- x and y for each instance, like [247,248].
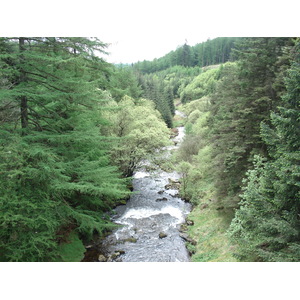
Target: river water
[151,218]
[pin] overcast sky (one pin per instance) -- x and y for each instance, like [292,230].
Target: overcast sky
[138,30]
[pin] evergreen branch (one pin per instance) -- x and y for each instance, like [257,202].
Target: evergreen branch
[50,86]
[30,120]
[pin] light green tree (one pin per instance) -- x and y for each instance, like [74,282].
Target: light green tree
[141,131]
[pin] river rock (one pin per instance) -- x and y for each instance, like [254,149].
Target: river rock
[161,199]
[115,255]
[130,240]
[173,184]
[189,222]
[186,237]
[182,228]
[102,258]
[176,195]
[174,132]
[162,235]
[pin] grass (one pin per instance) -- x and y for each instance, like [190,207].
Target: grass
[73,250]
[210,224]
[209,230]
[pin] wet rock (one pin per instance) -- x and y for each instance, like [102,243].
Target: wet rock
[115,255]
[174,132]
[186,237]
[131,240]
[91,255]
[102,258]
[189,222]
[162,235]
[183,228]
[176,195]
[160,192]
[173,185]
[191,251]
[161,199]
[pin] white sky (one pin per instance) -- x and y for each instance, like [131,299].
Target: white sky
[139,30]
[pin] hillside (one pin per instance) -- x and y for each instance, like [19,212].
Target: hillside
[208,53]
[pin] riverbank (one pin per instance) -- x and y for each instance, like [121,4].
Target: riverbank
[208,223]
[209,231]
[150,221]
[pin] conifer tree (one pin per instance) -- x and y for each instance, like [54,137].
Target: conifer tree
[266,227]
[243,99]
[55,170]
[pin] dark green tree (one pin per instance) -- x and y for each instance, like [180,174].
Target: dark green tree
[55,174]
[243,99]
[266,227]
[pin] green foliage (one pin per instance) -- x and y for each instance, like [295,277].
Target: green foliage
[55,166]
[244,96]
[124,82]
[243,120]
[266,227]
[161,94]
[141,131]
[202,85]
[209,231]
[184,168]
[208,53]
[71,251]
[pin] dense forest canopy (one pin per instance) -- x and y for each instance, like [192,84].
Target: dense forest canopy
[58,173]
[208,53]
[73,128]
[242,147]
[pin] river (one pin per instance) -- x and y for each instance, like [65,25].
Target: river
[151,218]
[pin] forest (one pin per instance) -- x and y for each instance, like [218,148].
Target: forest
[74,128]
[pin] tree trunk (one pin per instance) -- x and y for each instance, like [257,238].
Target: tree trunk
[23,98]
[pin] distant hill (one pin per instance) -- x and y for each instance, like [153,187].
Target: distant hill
[208,53]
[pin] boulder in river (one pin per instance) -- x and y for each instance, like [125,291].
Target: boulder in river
[162,235]
[102,258]
[174,132]
[130,240]
[161,199]
[173,184]
[183,227]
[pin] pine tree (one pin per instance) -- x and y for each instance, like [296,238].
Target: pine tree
[243,99]
[55,170]
[267,226]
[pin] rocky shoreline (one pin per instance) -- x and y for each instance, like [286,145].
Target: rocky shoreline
[96,252]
